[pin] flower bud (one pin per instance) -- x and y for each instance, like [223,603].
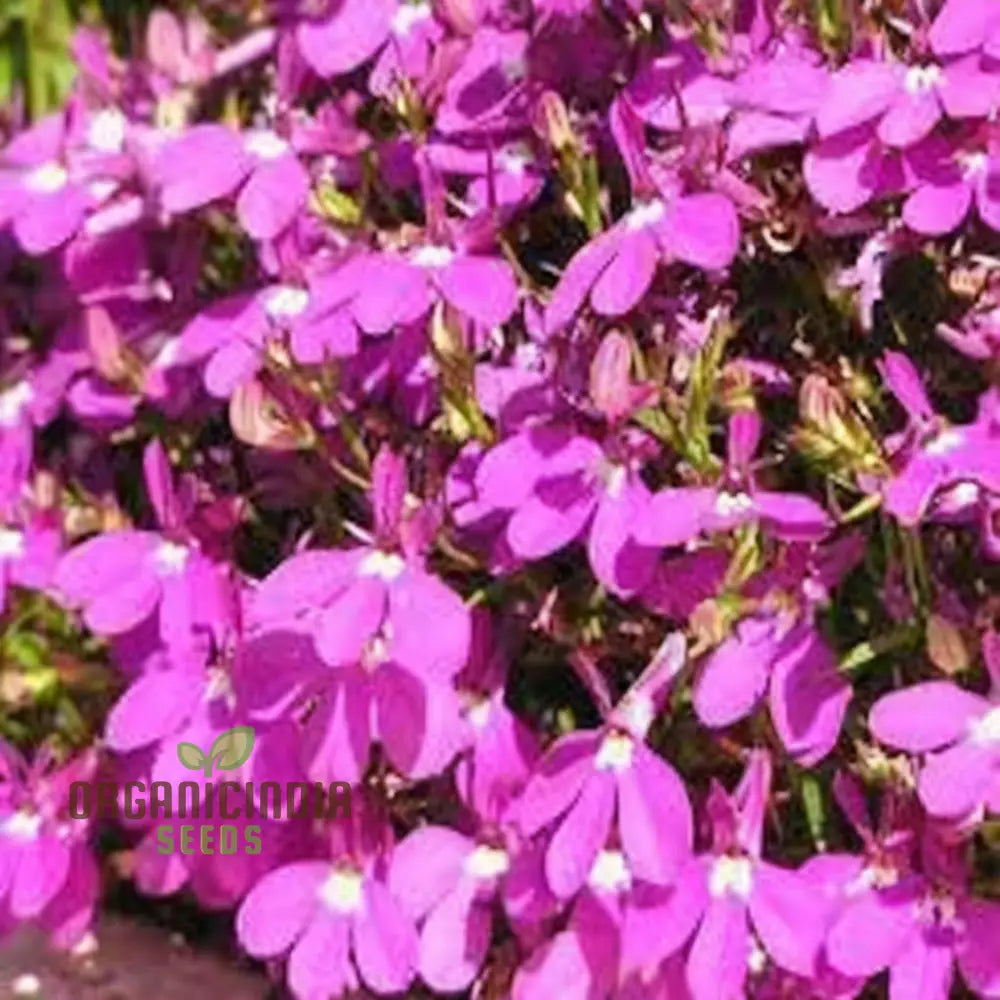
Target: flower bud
[945,646]
[551,122]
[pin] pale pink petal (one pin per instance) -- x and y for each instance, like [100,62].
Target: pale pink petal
[385,941]
[873,930]
[925,716]
[454,940]
[319,966]
[279,907]
[954,782]
[426,866]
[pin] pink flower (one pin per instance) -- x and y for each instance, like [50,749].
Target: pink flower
[260,165]
[727,892]
[589,779]
[47,873]
[958,731]
[674,516]
[336,920]
[121,578]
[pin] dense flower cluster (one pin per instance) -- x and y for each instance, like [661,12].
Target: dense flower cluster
[577,426]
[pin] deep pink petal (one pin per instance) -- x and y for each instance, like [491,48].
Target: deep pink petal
[789,917]
[717,963]
[628,275]
[349,36]
[673,516]
[654,817]
[272,196]
[42,868]
[350,620]
[581,835]
[557,780]
[156,705]
[955,781]
[978,956]
[924,971]
[221,164]
[415,599]
[481,287]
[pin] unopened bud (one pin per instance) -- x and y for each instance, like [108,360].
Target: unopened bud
[551,122]
[257,419]
[945,646]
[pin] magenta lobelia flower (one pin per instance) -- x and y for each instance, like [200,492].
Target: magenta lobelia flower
[584,959]
[336,919]
[674,516]
[914,916]
[47,873]
[934,455]
[852,168]
[727,892]
[56,173]
[950,176]
[556,484]
[588,779]
[904,103]
[502,750]
[121,578]
[233,336]
[958,731]
[448,882]
[261,165]
[616,268]
[29,551]
[367,609]
[400,286]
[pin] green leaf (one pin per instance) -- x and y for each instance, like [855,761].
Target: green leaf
[231,749]
[812,802]
[190,756]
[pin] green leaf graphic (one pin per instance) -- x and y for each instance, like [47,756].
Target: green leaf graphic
[190,756]
[230,749]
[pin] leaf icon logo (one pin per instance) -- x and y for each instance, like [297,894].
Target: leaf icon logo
[230,750]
